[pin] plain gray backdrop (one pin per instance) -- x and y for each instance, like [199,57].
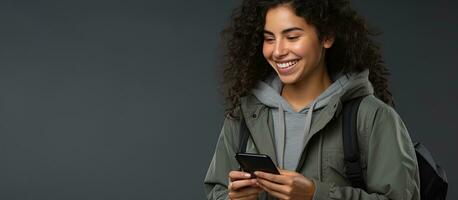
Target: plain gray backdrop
[120,99]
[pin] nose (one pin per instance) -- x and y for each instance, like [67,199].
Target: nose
[280,50]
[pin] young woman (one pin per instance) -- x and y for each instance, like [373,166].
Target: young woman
[291,66]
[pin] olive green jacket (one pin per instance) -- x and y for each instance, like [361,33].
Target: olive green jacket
[387,155]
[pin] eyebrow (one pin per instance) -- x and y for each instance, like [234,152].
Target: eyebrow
[284,31]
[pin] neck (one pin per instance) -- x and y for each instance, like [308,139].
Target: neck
[302,93]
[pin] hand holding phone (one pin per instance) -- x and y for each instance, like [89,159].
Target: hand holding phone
[242,186]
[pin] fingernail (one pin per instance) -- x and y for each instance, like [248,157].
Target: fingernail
[247,175]
[256,173]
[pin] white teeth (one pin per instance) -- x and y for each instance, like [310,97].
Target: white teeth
[287,64]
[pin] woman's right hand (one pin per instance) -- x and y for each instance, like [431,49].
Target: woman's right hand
[242,186]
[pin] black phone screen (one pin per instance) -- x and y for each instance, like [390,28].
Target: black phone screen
[256,162]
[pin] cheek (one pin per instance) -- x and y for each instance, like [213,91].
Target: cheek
[266,51]
[302,49]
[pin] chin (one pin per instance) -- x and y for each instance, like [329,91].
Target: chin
[288,80]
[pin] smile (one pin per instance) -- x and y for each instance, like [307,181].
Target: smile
[286,64]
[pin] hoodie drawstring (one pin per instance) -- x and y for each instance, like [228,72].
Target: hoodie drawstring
[281,139]
[320,148]
[308,119]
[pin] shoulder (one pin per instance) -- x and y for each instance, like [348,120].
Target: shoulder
[231,123]
[372,106]
[381,124]
[371,103]
[249,106]
[374,112]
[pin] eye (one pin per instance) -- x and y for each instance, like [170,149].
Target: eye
[269,39]
[292,38]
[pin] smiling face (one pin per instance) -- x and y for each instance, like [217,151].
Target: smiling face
[291,45]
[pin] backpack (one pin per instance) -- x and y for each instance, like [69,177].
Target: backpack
[433,180]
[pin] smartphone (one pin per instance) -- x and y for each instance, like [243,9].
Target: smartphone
[250,163]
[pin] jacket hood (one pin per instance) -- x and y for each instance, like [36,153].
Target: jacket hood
[345,87]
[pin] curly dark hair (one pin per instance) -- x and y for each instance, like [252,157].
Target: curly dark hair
[353,50]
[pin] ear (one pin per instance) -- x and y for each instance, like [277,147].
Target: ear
[328,41]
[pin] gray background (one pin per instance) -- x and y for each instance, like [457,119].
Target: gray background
[120,99]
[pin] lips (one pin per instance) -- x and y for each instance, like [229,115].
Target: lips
[286,64]
[285,68]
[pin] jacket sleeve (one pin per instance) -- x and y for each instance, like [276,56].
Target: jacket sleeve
[222,163]
[392,168]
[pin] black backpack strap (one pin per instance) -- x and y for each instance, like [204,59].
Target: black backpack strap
[353,168]
[244,134]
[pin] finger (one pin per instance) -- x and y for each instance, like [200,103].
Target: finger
[245,192]
[237,175]
[241,184]
[274,186]
[251,197]
[273,193]
[287,172]
[281,179]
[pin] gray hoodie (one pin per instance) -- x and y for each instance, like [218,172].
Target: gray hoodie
[291,127]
